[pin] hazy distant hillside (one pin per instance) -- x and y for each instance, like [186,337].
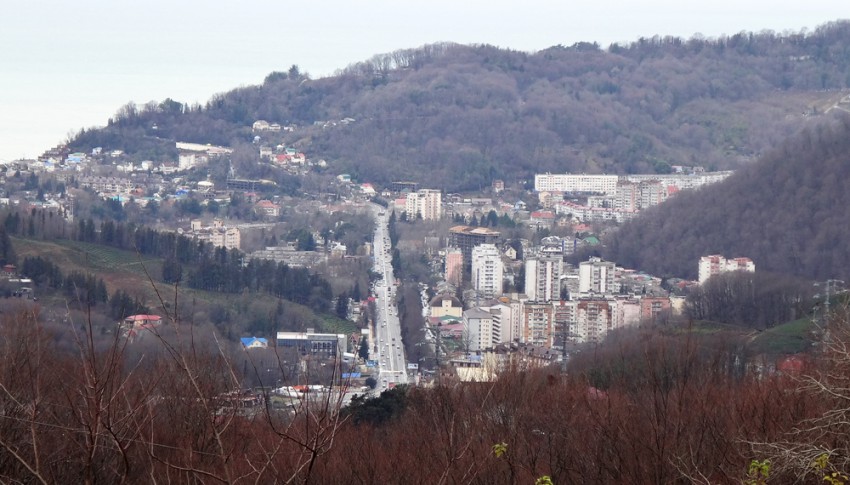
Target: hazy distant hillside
[458,116]
[788,212]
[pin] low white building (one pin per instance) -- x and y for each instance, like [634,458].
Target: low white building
[716,264]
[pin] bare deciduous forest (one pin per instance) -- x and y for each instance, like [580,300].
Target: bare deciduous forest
[786,212]
[458,117]
[662,405]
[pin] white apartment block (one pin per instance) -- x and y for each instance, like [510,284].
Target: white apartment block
[517,302]
[716,264]
[217,234]
[564,182]
[478,330]
[487,270]
[543,278]
[229,238]
[680,181]
[596,277]
[502,315]
[425,203]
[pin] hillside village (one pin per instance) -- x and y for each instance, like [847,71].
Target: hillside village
[504,294]
[578,265]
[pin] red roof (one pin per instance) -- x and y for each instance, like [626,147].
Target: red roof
[791,365]
[143,318]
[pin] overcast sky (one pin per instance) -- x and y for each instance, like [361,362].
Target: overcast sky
[67,65]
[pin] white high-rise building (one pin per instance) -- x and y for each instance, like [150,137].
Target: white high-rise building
[487,270]
[596,277]
[478,330]
[425,203]
[501,315]
[543,278]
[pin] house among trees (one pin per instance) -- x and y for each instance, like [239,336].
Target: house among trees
[9,270]
[254,343]
[267,208]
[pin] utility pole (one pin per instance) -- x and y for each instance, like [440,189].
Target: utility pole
[830,287]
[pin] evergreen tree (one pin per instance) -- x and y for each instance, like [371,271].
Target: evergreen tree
[342,305]
[363,351]
[7,252]
[356,294]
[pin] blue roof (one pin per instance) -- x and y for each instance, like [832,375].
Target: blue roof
[248,341]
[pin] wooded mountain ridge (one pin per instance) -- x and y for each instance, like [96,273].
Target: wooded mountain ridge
[787,212]
[458,116]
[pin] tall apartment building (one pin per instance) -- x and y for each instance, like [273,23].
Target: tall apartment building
[627,197]
[596,277]
[565,182]
[538,324]
[478,330]
[593,320]
[454,266]
[516,301]
[564,316]
[501,316]
[634,196]
[543,278]
[424,203]
[716,264]
[487,270]
[465,238]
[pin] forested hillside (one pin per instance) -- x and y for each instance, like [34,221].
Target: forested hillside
[788,212]
[458,116]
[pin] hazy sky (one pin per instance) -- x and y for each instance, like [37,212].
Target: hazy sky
[67,65]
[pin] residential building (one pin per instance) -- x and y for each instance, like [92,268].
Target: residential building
[515,327]
[192,154]
[424,203]
[311,343]
[593,320]
[502,316]
[716,264]
[478,330]
[596,277]
[487,270]
[454,266]
[254,343]
[564,316]
[267,208]
[217,234]
[465,238]
[599,184]
[543,277]
[229,237]
[538,324]
[653,308]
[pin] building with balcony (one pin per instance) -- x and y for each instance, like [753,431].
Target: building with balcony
[487,270]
